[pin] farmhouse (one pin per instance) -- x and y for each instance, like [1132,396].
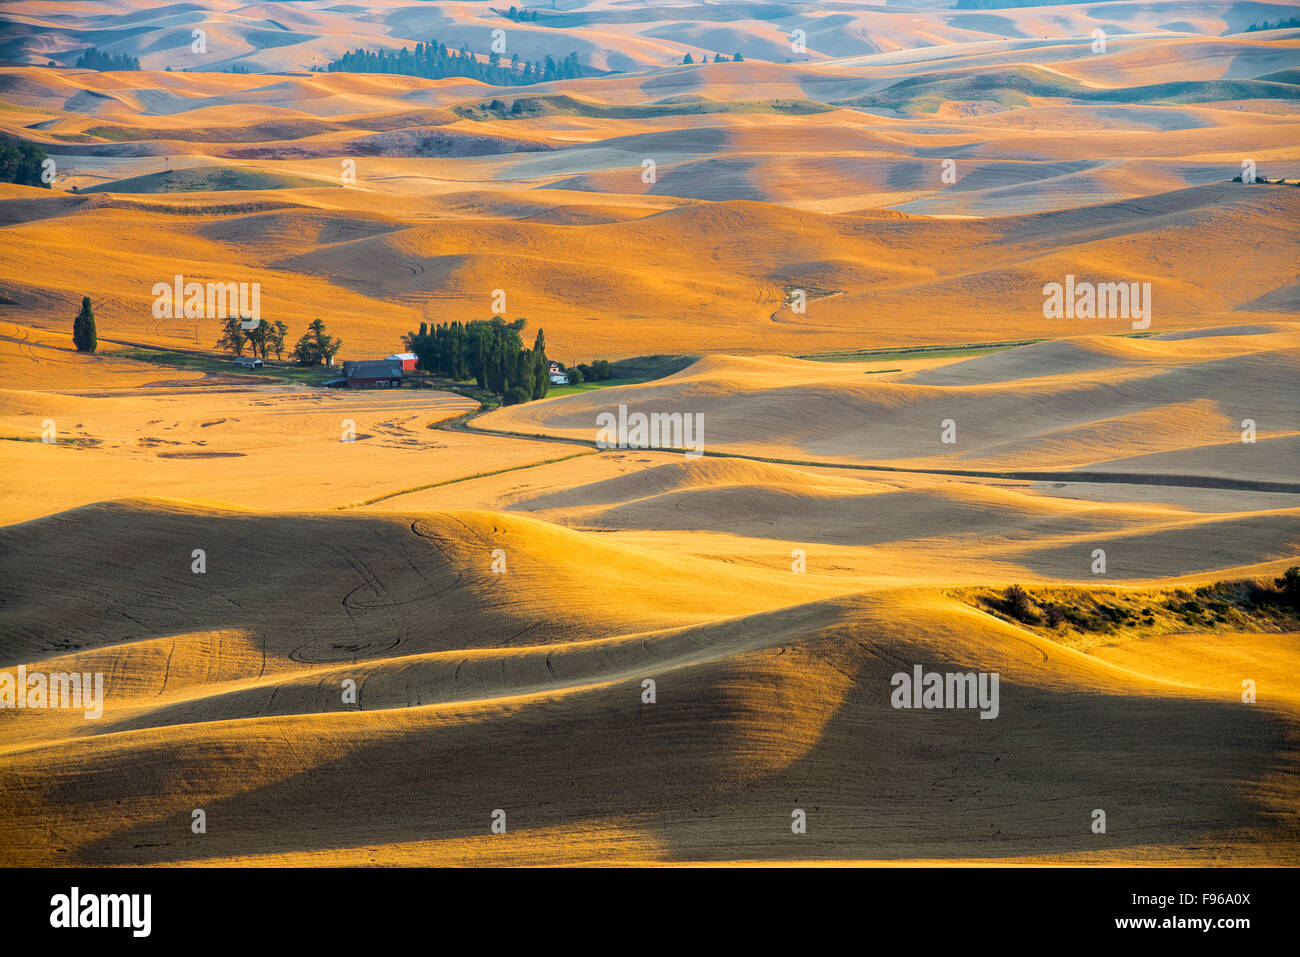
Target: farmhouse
[558,375]
[373,374]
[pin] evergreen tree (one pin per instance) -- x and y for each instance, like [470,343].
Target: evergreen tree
[541,367]
[433,60]
[521,376]
[83,328]
[93,59]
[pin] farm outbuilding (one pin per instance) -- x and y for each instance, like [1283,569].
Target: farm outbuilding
[407,359]
[373,374]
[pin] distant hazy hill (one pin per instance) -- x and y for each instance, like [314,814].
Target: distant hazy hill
[587,37]
[202,179]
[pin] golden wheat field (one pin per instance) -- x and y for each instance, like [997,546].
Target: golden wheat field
[865,552]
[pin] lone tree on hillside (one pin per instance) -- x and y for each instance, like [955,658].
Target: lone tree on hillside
[83,328]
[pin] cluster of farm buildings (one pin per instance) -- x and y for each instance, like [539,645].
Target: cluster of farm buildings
[384,373]
[387,373]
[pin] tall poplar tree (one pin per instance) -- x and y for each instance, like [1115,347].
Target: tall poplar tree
[83,328]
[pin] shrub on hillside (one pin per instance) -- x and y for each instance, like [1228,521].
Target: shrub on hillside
[1017,603]
[1288,587]
[1053,615]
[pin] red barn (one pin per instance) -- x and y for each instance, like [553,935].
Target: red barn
[407,359]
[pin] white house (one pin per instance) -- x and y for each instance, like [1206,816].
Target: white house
[559,378]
